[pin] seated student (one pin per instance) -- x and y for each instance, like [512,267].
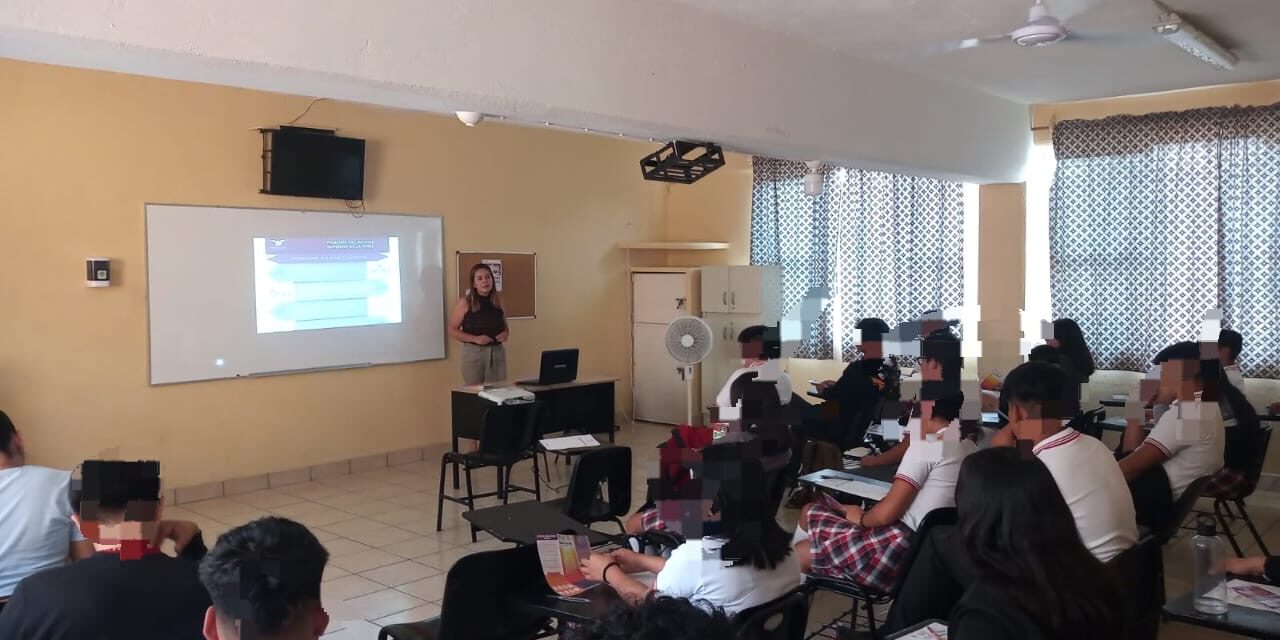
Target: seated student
[659,617]
[264,579]
[1230,343]
[36,530]
[1083,469]
[864,386]
[939,361]
[867,547]
[129,589]
[1188,439]
[1034,579]
[747,563]
[754,356]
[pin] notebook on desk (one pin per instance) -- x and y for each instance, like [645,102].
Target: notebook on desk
[558,366]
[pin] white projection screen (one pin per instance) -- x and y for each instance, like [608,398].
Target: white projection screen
[237,292]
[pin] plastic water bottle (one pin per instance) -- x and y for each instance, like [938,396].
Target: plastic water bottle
[1208,557]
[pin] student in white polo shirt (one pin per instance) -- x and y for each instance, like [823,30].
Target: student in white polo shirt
[1083,468]
[754,356]
[1188,440]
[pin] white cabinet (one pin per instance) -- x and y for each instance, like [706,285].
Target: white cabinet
[741,289]
[661,393]
[715,289]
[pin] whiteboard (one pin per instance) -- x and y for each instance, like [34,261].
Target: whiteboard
[220,308]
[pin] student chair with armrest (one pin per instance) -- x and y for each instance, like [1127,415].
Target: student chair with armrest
[1182,508]
[868,597]
[784,618]
[508,438]
[1224,497]
[606,466]
[476,591]
[1090,422]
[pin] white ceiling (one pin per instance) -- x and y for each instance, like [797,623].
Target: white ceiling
[1124,58]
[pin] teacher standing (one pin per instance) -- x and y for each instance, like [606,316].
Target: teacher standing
[480,324]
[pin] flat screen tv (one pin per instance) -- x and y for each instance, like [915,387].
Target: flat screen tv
[313,163]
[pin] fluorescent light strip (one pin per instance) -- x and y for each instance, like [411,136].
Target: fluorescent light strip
[1190,39]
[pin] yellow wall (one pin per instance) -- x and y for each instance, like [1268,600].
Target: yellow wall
[84,150]
[1001,261]
[716,208]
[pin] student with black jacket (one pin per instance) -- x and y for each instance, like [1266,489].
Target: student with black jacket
[128,590]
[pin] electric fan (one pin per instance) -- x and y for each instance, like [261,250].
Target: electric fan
[689,342]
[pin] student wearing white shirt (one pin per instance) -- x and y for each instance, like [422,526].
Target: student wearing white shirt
[754,356]
[868,547]
[748,563]
[1083,469]
[1187,442]
[36,529]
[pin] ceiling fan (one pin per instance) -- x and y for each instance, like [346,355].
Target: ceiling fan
[1042,28]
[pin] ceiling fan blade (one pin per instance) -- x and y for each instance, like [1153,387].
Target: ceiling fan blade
[944,48]
[1110,37]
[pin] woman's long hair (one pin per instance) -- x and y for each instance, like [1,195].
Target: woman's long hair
[473,298]
[1072,345]
[752,534]
[1020,534]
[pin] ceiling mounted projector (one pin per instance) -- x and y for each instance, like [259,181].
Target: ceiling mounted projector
[682,161]
[470,118]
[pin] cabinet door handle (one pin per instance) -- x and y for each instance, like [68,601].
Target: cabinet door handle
[724,298]
[733,297]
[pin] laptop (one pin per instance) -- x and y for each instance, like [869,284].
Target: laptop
[558,366]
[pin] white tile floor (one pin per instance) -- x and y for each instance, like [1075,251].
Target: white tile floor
[388,563]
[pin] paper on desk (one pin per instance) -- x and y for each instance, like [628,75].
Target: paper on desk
[1262,597]
[569,442]
[559,555]
[934,631]
[854,487]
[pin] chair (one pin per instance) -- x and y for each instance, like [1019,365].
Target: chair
[1140,573]
[867,597]
[1090,422]
[782,619]
[1224,497]
[508,437]
[655,542]
[1182,507]
[475,593]
[611,465]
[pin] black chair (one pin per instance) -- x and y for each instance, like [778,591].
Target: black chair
[1090,422]
[867,597]
[784,618]
[655,542]
[1224,498]
[608,465]
[475,592]
[1182,508]
[1140,572]
[508,438]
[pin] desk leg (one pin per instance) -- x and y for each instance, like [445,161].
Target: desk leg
[455,467]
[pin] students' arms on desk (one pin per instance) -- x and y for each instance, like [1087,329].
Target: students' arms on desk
[455,326]
[633,591]
[888,511]
[1255,566]
[891,457]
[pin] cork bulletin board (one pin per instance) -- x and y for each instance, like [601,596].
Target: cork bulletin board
[516,274]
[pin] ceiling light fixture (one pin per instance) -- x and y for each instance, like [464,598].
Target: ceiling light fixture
[470,118]
[813,179]
[1194,41]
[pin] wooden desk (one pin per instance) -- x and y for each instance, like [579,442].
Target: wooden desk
[584,406]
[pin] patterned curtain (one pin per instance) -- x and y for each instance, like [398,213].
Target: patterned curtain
[889,246]
[1155,219]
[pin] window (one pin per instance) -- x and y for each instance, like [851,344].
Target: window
[1154,220]
[888,246]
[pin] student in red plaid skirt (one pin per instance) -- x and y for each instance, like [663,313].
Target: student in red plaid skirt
[867,547]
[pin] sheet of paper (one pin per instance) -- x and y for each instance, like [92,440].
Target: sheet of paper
[569,442]
[854,488]
[935,631]
[1263,597]
[559,556]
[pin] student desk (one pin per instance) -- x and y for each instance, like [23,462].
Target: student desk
[877,480]
[522,522]
[1239,620]
[584,405]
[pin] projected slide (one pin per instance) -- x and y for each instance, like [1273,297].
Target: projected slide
[324,283]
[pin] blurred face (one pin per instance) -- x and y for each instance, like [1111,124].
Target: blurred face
[872,350]
[130,530]
[482,281]
[1177,378]
[1224,356]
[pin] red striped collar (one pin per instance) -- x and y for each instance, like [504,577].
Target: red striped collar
[1066,436]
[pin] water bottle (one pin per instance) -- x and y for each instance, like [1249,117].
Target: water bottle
[1209,595]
